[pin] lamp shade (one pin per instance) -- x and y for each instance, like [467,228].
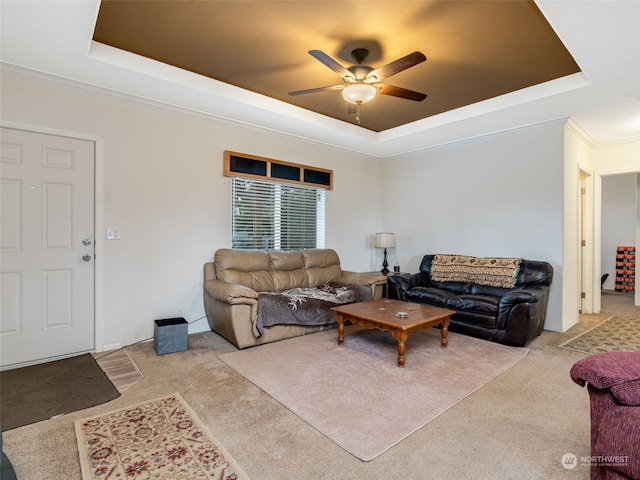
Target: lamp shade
[359,93]
[385,240]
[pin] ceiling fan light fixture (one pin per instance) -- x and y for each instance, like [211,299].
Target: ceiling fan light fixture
[359,93]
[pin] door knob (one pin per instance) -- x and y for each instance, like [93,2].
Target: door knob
[86,258]
[86,242]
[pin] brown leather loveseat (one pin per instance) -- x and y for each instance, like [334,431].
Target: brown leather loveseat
[253,297]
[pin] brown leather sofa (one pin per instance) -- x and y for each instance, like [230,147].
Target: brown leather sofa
[511,316]
[237,281]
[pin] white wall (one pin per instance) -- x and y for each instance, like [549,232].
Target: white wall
[618,157]
[618,219]
[501,195]
[162,187]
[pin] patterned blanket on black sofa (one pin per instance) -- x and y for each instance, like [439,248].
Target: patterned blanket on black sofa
[491,271]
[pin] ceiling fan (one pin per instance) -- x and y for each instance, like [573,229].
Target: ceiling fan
[363,82]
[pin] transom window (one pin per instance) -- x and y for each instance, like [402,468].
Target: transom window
[276,216]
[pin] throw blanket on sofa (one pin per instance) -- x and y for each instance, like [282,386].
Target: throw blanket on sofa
[493,272]
[451,268]
[306,306]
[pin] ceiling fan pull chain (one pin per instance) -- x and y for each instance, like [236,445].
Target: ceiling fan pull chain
[358,112]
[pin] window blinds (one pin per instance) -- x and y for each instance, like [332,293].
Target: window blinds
[279,216]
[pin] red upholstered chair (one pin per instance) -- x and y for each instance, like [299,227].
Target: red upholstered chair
[613,382]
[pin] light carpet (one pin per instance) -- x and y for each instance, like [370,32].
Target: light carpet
[615,334]
[356,394]
[161,439]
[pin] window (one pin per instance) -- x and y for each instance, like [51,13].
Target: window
[250,166]
[278,216]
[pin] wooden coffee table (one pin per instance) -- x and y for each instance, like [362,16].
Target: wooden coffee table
[382,315]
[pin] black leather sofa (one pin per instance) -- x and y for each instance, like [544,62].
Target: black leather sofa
[511,316]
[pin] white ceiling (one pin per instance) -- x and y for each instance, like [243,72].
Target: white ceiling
[52,40]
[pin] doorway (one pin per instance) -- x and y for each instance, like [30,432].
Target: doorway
[620,204]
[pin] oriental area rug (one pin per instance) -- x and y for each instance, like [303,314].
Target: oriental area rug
[615,334]
[356,395]
[160,439]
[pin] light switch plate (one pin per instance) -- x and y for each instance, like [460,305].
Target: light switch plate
[113,234]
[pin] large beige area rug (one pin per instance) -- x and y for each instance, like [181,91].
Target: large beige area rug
[615,334]
[160,439]
[356,394]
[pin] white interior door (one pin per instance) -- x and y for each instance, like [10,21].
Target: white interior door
[46,247]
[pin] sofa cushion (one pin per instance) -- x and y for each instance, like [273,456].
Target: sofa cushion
[322,266]
[287,270]
[432,296]
[473,323]
[286,280]
[534,272]
[320,257]
[286,260]
[251,268]
[484,304]
[455,287]
[318,276]
[477,289]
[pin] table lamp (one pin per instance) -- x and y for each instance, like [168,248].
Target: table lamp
[385,240]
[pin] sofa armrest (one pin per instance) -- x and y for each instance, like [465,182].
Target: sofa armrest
[521,311]
[400,284]
[618,372]
[230,293]
[530,294]
[374,281]
[369,279]
[405,282]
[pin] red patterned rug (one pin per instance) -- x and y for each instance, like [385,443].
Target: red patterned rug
[159,439]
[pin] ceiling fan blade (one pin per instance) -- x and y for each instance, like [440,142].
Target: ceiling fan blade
[319,89]
[331,63]
[397,66]
[402,93]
